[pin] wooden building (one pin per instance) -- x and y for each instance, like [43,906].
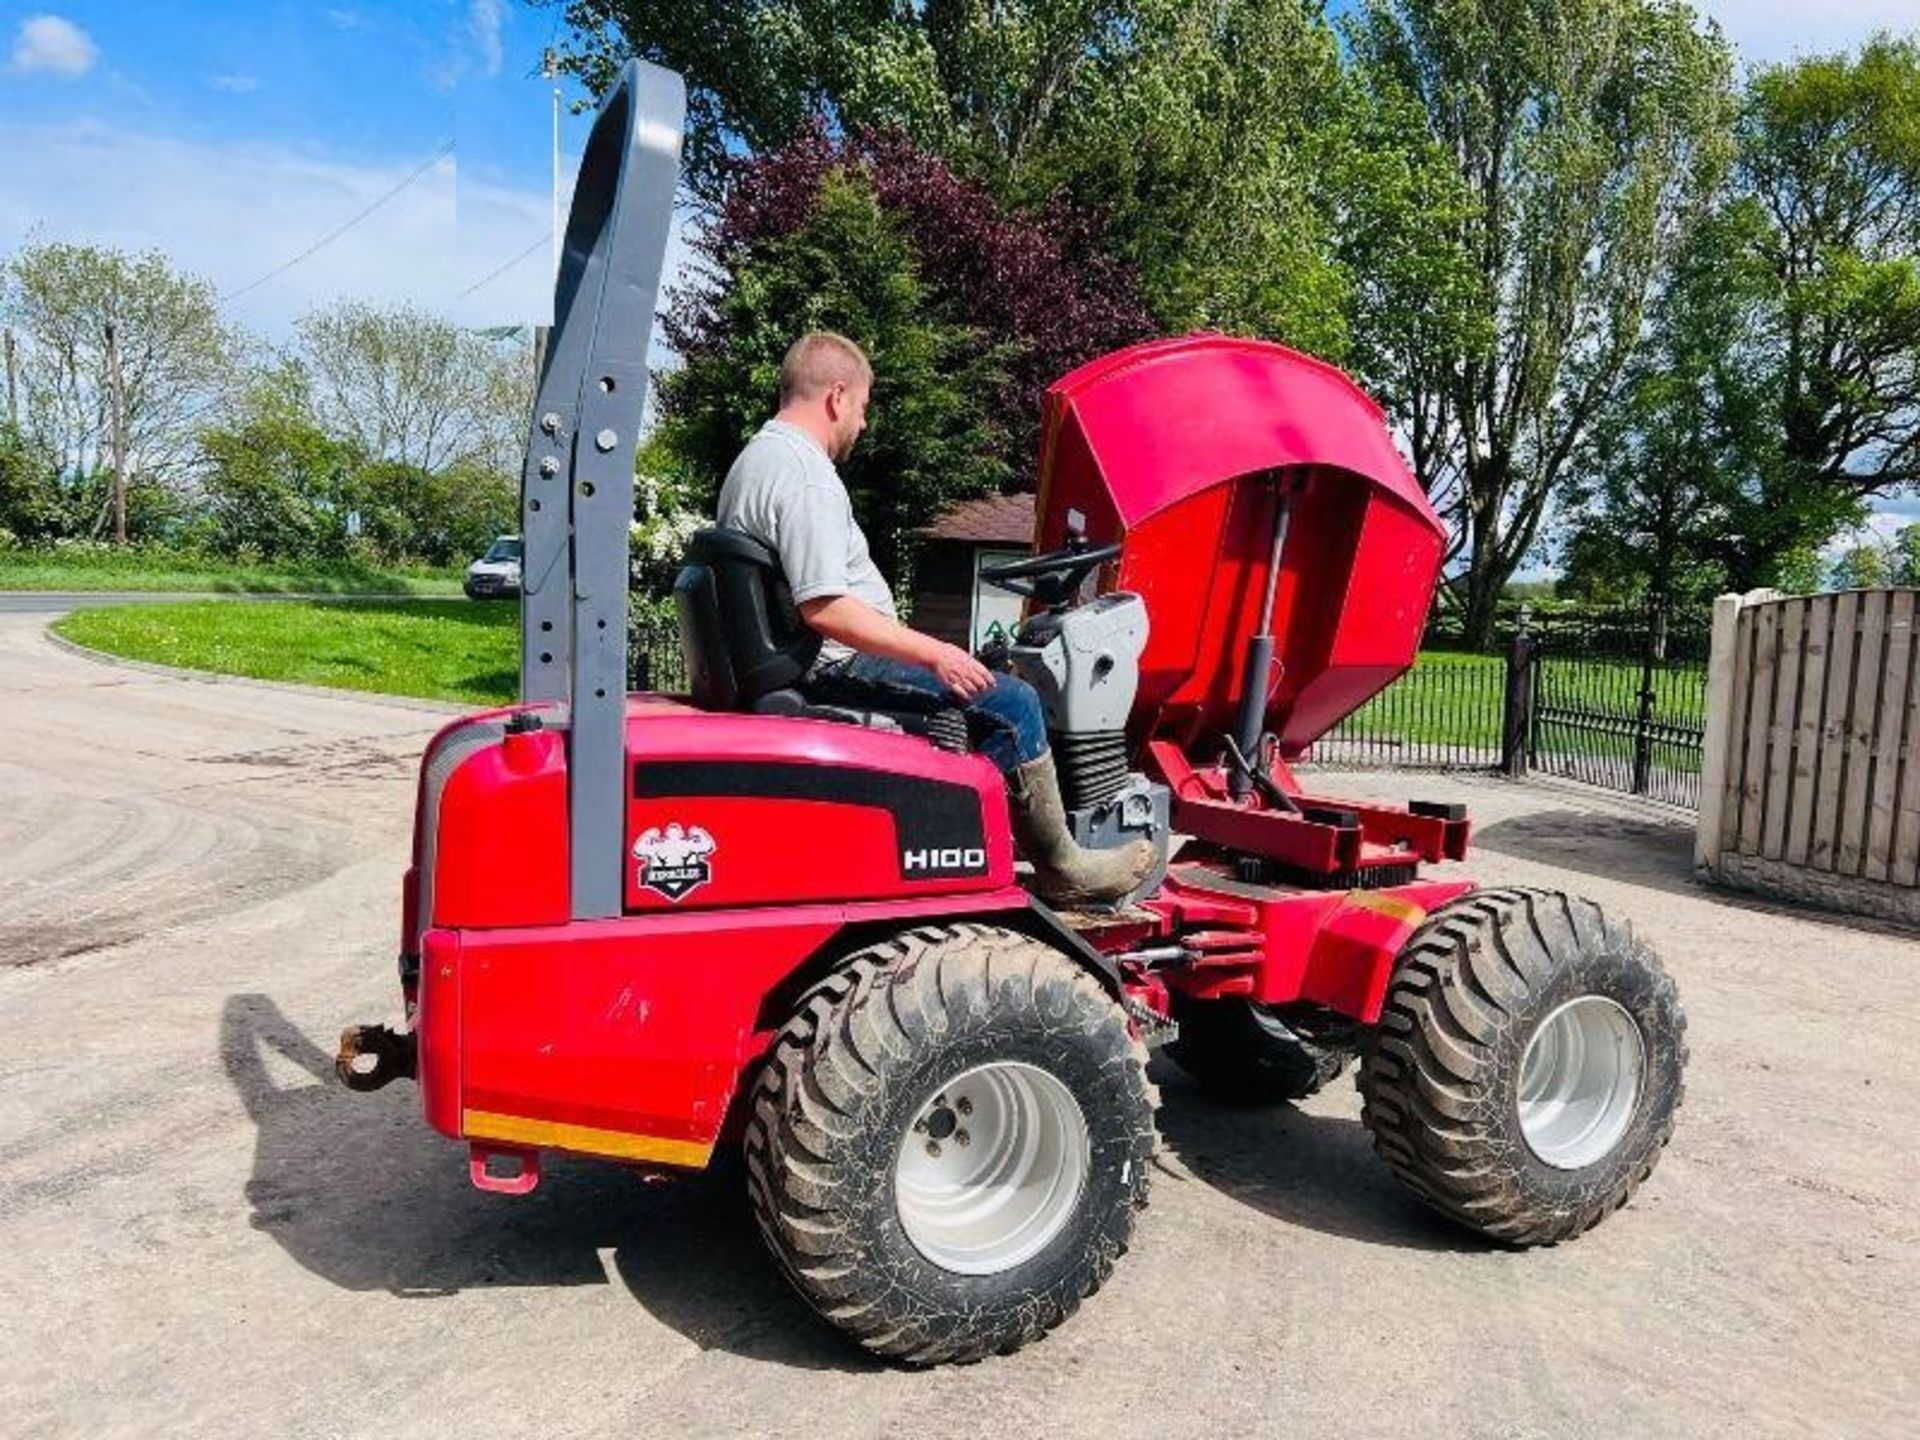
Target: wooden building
[950,600]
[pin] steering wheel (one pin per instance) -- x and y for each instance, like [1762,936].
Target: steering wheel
[1055,576]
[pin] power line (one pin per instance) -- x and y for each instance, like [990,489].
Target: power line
[445,149]
[497,272]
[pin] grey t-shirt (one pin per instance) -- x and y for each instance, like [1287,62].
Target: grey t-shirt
[784,491]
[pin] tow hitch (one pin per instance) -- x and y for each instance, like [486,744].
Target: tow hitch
[372,1055]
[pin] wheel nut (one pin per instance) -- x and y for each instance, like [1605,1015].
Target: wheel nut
[933,1148]
[960,1137]
[920,1127]
[965,1106]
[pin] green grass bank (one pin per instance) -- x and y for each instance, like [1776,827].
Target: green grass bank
[434,650]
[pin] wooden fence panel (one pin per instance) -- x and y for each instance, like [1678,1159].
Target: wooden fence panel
[1889,735]
[1760,674]
[1777,789]
[1837,690]
[1738,706]
[1863,711]
[1816,629]
[1813,737]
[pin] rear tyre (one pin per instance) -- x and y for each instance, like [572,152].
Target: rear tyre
[1527,1067]
[1245,1054]
[949,1142]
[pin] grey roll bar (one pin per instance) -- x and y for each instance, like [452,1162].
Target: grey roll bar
[576,488]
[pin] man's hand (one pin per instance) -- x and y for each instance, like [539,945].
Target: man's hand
[960,672]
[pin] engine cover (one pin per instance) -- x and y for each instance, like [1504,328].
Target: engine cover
[1085,663]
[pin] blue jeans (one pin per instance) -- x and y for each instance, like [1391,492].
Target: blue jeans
[1005,724]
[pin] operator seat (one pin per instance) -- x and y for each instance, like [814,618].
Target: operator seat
[747,648]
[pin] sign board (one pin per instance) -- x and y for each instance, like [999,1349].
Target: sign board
[996,612]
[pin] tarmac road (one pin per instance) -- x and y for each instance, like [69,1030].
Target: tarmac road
[204,1235]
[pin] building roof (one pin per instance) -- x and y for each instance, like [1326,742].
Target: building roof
[994,520]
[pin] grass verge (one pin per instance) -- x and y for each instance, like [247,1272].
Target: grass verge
[39,570]
[454,650]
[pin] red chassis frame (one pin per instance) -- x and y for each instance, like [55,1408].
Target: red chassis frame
[630,1037]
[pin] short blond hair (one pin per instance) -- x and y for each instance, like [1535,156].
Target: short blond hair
[818,361]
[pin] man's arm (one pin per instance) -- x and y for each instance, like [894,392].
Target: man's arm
[856,624]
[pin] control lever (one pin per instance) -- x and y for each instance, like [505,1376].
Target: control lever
[1258,775]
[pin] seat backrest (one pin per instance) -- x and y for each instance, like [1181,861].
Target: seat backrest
[739,628]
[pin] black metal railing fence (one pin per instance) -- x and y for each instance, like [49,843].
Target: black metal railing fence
[1611,698]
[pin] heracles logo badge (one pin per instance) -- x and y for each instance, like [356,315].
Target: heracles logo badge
[676,860]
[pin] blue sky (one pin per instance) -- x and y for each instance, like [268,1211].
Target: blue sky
[232,135]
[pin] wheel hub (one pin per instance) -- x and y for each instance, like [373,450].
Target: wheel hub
[992,1168]
[1580,1082]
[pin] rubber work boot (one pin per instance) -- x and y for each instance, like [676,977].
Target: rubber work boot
[1064,875]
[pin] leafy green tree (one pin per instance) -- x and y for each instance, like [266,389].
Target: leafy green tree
[1861,567]
[179,358]
[1214,142]
[1800,571]
[441,517]
[407,386]
[1584,134]
[1208,133]
[1679,495]
[1905,556]
[275,484]
[1829,172]
[31,508]
[988,82]
[934,434]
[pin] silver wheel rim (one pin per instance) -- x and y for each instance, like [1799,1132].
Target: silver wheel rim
[1580,1082]
[992,1168]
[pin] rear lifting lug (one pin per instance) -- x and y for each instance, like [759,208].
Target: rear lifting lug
[373,1055]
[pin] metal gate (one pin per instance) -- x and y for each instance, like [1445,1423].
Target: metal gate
[1619,701]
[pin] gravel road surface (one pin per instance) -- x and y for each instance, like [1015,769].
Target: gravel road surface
[204,1235]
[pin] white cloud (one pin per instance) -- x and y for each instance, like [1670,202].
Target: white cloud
[235,84]
[232,212]
[484,20]
[58,47]
[1771,31]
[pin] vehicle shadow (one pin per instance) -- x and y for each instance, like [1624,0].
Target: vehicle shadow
[358,1191]
[1306,1169]
[1655,854]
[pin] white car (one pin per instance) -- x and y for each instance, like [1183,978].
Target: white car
[496,574]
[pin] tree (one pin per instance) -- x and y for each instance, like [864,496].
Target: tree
[1206,131]
[1585,134]
[1829,168]
[178,357]
[1212,138]
[31,508]
[985,82]
[1678,496]
[274,484]
[1034,286]
[1905,556]
[407,386]
[436,517]
[1861,567]
[934,433]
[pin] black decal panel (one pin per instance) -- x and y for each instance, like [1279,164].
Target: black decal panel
[938,825]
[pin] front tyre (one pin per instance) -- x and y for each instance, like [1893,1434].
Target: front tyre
[949,1143]
[1527,1068]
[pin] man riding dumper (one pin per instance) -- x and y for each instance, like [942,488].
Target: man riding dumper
[784,491]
